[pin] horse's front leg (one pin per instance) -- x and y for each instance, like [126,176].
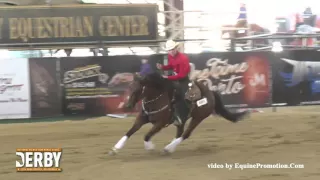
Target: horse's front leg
[140,121]
[148,145]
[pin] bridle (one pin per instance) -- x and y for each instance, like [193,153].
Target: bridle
[144,102]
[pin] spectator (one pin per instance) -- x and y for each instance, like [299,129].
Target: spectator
[307,12]
[243,12]
[299,20]
[145,68]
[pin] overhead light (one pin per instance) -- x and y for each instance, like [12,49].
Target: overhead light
[238,49]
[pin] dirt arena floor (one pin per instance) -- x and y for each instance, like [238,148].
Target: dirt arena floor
[291,135]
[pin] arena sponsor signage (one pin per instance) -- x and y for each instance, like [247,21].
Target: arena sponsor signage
[76,24]
[242,80]
[45,87]
[96,85]
[81,82]
[14,89]
[296,77]
[38,160]
[76,106]
[217,68]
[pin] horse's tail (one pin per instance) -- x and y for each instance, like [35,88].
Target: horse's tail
[221,110]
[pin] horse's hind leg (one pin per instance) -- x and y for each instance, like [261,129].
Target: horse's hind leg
[148,145]
[170,148]
[136,126]
[180,130]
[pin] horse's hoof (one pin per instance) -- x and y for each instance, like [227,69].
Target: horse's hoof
[150,150]
[113,152]
[165,152]
[149,146]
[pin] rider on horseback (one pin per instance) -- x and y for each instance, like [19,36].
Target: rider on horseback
[179,63]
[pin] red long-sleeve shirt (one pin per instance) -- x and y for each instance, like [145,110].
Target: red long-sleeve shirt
[179,64]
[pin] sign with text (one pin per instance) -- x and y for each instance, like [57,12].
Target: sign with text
[243,79]
[39,160]
[77,24]
[14,89]
[99,85]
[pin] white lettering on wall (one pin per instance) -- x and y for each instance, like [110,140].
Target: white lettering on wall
[228,74]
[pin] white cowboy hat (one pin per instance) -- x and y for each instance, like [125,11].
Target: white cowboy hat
[170,44]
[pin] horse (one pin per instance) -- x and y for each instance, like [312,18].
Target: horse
[157,95]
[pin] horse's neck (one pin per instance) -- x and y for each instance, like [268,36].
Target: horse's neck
[151,96]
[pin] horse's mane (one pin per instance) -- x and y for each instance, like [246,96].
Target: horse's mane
[155,80]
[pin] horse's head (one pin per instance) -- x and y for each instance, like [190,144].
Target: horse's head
[144,87]
[134,92]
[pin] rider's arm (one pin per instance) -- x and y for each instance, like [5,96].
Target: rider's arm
[184,70]
[169,66]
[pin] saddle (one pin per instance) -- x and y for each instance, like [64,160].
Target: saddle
[193,93]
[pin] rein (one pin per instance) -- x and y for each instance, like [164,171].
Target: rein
[144,102]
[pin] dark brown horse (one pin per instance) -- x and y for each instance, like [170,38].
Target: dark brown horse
[157,94]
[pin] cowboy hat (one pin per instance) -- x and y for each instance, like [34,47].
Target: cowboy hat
[170,44]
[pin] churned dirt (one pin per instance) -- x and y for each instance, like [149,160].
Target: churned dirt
[291,135]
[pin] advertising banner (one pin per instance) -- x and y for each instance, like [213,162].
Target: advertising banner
[77,24]
[243,79]
[14,89]
[296,77]
[98,85]
[45,88]
[79,77]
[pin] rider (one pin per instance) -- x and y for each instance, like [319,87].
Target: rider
[145,68]
[243,12]
[179,63]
